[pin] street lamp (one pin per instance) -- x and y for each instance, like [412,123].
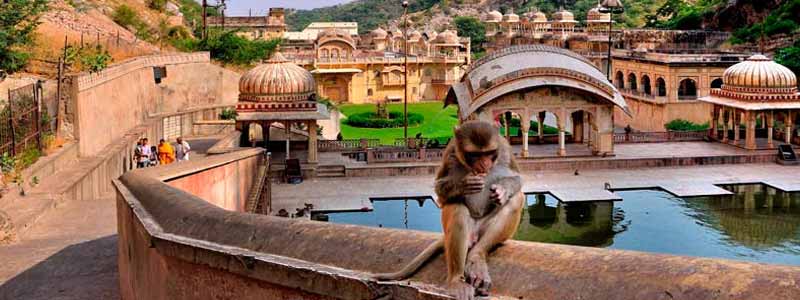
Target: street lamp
[405,63]
[610,7]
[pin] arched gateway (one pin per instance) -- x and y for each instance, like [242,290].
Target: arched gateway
[531,79]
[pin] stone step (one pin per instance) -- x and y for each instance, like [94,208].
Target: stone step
[331,171]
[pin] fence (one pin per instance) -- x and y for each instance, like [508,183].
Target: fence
[657,137]
[20,120]
[347,145]
[394,155]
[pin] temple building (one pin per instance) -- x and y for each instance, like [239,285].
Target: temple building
[661,85]
[371,68]
[759,94]
[279,91]
[266,27]
[531,81]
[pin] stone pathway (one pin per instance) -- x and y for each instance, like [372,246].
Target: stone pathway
[354,193]
[70,253]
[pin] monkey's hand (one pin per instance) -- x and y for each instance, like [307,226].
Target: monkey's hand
[473,184]
[499,194]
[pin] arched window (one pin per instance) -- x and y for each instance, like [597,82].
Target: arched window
[632,81]
[619,80]
[716,83]
[646,85]
[687,89]
[661,87]
[323,53]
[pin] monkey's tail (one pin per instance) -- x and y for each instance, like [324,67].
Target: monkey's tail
[414,265]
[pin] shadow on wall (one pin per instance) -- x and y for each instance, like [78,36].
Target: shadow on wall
[81,271]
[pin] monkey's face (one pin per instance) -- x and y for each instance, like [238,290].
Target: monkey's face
[481,162]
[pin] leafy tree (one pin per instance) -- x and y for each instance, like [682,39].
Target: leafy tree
[229,47]
[18,21]
[790,57]
[474,29]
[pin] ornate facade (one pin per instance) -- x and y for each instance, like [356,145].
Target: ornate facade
[266,27]
[371,68]
[529,81]
[660,86]
[756,91]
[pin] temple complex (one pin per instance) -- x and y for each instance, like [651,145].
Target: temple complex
[530,81]
[759,94]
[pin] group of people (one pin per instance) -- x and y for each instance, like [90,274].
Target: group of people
[163,154]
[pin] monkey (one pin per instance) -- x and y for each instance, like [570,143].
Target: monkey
[478,188]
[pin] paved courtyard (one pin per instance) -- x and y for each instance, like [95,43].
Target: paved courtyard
[354,193]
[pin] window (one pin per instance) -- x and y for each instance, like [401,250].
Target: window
[646,85]
[687,89]
[369,92]
[159,73]
[632,81]
[716,83]
[661,87]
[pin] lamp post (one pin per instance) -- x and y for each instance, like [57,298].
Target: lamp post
[405,64]
[610,7]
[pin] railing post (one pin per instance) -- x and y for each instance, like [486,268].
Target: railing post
[11,124]
[37,97]
[422,154]
[364,143]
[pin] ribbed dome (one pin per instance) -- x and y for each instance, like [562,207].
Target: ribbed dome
[539,17]
[276,80]
[494,16]
[759,74]
[595,14]
[563,16]
[447,37]
[379,34]
[511,17]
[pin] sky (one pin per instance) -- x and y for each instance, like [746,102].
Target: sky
[260,7]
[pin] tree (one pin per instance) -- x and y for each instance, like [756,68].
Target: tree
[18,21]
[790,57]
[474,29]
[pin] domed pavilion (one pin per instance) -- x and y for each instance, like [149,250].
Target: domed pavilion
[757,92]
[280,91]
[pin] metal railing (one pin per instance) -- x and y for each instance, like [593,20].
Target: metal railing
[396,155]
[347,145]
[20,120]
[260,198]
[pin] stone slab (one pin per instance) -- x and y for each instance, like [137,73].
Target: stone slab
[786,185]
[584,195]
[685,189]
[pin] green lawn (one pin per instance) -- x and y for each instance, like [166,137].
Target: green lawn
[438,122]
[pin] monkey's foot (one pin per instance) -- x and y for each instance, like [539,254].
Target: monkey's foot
[461,290]
[477,273]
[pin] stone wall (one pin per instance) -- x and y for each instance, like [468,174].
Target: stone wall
[222,180]
[651,117]
[123,96]
[173,245]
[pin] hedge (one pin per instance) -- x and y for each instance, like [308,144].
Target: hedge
[370,120]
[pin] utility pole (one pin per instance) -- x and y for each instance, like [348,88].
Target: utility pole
[204,33]
[405,63]
[610,7]
[222,6]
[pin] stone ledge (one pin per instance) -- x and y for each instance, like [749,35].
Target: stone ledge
[84,81]
[333,260]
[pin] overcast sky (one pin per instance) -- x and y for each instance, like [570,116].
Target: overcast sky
[241,7]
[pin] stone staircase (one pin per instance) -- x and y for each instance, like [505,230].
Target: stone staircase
[331,171]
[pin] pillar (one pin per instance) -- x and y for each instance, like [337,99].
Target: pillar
[714,121]
[770,116]
[562,143]
[265,133]
[525,126]
[288,128]
[589,131]
[750,130]
[789,126]
[577,123]
[737,123]
[540,119]
[726,116]
[312,141]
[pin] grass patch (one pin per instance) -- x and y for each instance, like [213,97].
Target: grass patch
[437,121]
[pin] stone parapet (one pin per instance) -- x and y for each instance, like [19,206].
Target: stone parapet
[173,245]
[85,80]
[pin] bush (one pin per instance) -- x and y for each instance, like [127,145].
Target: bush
[228,47]
[126,17]
[370,120]
[228,114]
[158,5]
[92,59]
[684,125]
[18,21]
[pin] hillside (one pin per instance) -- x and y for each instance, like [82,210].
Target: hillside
[437,14]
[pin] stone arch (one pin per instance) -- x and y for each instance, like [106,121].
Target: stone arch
[509,122]
[661,87]
[716,83]
[647,88]
[687,89]
[619,80]
[632,84]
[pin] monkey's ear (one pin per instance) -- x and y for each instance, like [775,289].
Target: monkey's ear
[456,129]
